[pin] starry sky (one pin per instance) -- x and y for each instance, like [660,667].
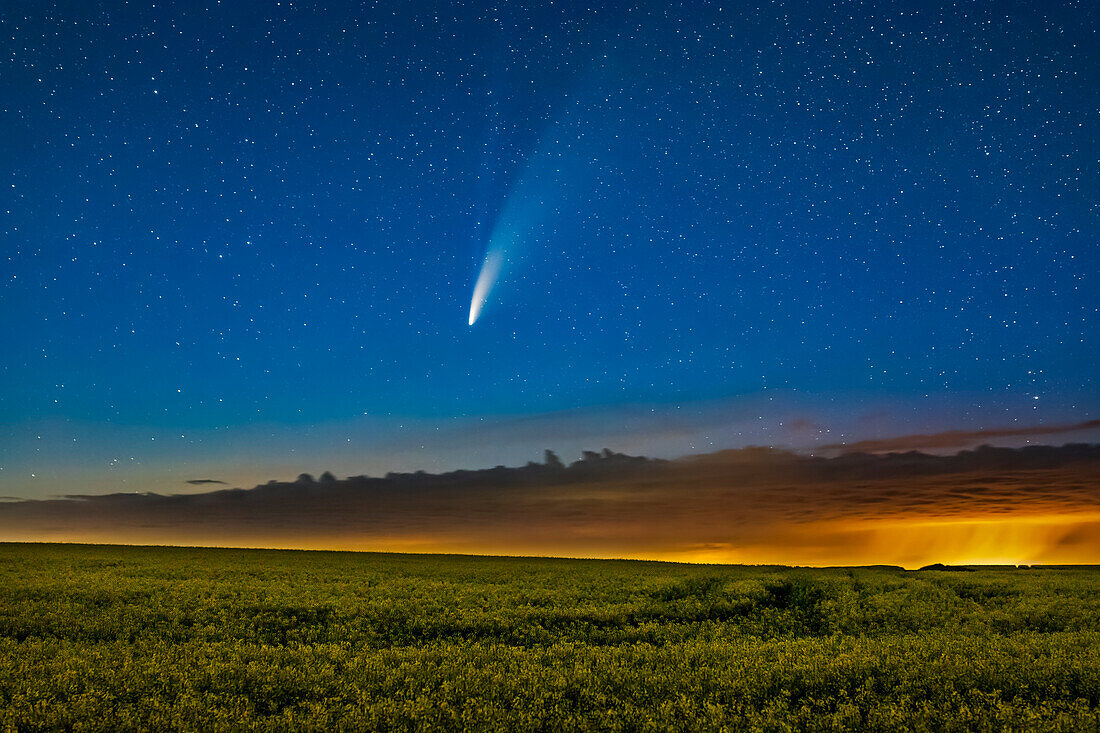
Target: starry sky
[240,240]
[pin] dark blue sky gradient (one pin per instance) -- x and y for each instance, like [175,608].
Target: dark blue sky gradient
[217,217]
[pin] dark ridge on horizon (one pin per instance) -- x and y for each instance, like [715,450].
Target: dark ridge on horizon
[752,464]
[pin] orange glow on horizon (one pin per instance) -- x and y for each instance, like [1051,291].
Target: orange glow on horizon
[1070,539]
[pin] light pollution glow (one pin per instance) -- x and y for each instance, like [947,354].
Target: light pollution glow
[1070,539]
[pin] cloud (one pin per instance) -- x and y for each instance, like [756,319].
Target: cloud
[201,481]
[955,438]
[1037,504]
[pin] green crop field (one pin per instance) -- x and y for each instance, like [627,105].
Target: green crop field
[127,638]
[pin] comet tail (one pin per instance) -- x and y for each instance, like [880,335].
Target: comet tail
[490,269]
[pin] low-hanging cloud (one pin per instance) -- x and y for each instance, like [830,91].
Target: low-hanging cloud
[956,438]
[1036,504]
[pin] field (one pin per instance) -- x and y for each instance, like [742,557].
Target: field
[129,638]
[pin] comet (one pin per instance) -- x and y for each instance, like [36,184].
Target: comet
[490,270]
[522,224]
[535,201]
[512,231]
[554,190]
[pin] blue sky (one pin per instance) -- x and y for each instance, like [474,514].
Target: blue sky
[231,223]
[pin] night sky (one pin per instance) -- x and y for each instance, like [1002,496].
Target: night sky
[240,240]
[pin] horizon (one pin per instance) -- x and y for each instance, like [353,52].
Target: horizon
[244,548]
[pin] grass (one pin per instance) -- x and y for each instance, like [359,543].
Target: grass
[133,638]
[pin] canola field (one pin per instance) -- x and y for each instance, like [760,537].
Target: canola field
[98,638]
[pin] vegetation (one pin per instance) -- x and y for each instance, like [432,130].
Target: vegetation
[126,638]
